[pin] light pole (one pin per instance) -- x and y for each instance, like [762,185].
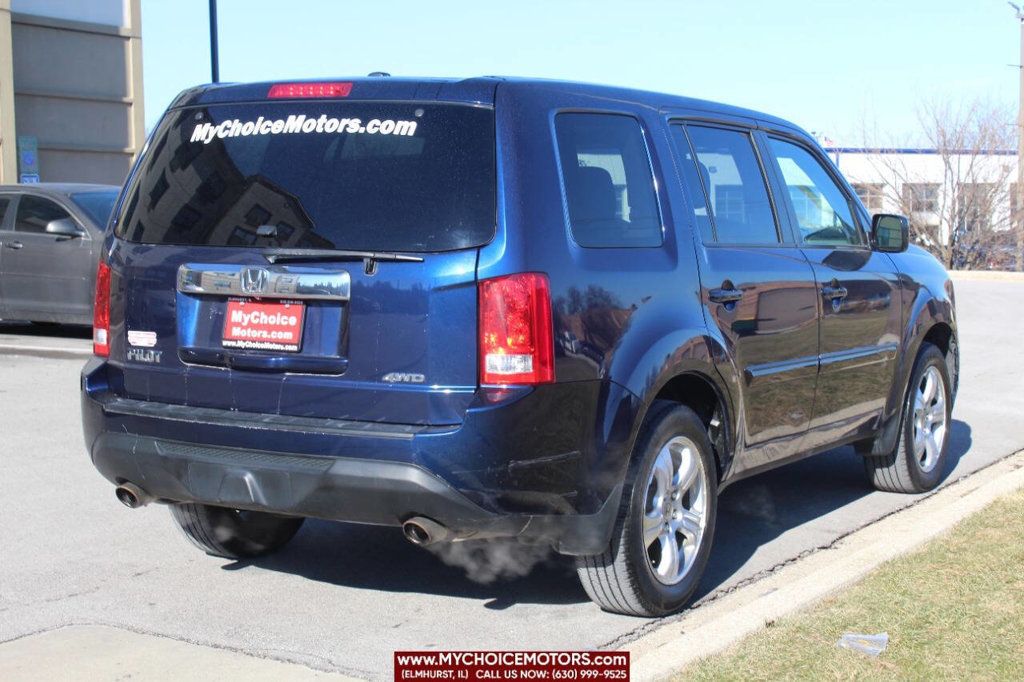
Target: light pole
[214,67]
[1020,144]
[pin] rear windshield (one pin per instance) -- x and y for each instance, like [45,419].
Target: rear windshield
[328,175]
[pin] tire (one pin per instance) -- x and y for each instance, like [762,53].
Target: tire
[908,469]
[624,578]
[233,533]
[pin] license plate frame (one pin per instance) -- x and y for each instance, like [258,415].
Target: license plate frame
[263,325]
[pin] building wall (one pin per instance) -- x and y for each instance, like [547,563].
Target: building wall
[8,136]
[76,69]
[892,169]
[108,12]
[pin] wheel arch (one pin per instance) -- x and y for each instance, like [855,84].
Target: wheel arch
[682,367]
[698,391]
[942,335]
[931,320]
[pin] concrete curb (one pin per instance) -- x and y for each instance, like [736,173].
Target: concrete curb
[986,276]
[726,620]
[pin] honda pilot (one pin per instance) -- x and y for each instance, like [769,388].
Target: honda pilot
[495,308]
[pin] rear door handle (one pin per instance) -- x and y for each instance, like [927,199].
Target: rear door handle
[725,295]
[833,292]
[13,245]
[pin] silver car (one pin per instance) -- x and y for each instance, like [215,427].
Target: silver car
[50,239]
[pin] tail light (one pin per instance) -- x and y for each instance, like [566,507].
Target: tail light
[101,312]
[516,343]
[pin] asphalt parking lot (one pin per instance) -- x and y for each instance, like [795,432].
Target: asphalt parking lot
[343,598]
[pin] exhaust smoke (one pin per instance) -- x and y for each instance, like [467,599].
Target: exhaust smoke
[486,561]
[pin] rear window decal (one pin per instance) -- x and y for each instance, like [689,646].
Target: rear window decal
[300,123]
[393,187]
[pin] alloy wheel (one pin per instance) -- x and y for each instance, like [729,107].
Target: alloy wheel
[675,510]
[929,419]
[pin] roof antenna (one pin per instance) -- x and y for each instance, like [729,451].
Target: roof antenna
[378,74]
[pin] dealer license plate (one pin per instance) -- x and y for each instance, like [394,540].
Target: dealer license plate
[259,325]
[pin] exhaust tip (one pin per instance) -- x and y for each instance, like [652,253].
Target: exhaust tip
[422,531]
[415,533]
[132,496]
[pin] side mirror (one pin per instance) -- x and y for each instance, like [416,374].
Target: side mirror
[64,227]
[890,233]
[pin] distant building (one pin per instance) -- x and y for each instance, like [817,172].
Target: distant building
[979,191]
[74,113]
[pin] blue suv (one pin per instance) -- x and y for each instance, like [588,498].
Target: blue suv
[498,308]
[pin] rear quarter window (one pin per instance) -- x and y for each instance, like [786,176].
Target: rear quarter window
[608,181]
[96,205]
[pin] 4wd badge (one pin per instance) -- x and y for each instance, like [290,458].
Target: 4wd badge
[404,377]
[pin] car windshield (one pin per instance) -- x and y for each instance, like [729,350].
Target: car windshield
[97,205]
[380,176]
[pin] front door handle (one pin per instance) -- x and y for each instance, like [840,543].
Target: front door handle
[834,292]
[13,245]
[725,295]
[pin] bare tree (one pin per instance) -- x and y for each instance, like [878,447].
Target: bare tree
[967,213]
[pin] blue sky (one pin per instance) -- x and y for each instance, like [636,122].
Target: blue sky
[826,65]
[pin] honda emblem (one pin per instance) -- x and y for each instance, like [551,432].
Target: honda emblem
[255,280]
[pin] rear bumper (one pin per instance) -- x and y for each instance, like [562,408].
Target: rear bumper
[476,484]
[335,488]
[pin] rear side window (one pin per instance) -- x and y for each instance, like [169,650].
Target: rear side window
[609,185]
[35,212]
[375,176]
[4,203]
[736,190]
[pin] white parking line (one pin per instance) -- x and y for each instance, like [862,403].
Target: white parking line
[44,351]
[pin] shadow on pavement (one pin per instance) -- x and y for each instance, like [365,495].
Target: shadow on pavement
[752,513]
[379,558]
[755,511]
[44,329]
